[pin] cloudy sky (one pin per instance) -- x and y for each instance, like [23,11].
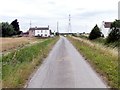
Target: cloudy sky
[84,13]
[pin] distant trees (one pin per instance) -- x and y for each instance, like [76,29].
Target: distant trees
[10,29]
[114,34]
[7,29]
[95,33]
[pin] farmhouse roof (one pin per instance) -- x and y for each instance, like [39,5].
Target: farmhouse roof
[39,28]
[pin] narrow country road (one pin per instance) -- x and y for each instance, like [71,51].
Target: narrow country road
[65,68]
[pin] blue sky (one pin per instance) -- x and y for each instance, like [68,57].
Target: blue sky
[84,13]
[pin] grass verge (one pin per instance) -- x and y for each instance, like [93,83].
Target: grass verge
[18,65]
[104,62]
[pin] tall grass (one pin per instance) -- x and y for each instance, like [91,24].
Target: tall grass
[103,41]
[104,60]
[18,65]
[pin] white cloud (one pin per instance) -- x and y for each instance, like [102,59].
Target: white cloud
[85,13]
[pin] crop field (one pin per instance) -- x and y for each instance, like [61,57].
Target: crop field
[12,43]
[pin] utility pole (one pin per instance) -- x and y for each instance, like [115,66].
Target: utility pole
[69,25]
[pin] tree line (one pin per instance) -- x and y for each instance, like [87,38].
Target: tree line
[9,30]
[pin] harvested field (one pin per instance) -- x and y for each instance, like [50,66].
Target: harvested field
[12,43]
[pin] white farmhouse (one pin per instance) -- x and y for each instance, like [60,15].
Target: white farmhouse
[39,31]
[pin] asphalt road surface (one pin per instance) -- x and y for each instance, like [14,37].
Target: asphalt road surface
[65,68]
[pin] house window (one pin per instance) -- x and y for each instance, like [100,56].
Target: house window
[41,31]
[45,34]
[37,31]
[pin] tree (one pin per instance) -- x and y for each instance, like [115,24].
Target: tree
[114,34]
[95,33]
[15,25]
[7,30]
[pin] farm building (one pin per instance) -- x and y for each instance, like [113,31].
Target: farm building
[39,31]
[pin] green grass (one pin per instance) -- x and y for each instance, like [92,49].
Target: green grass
[18,65]
[104,62]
